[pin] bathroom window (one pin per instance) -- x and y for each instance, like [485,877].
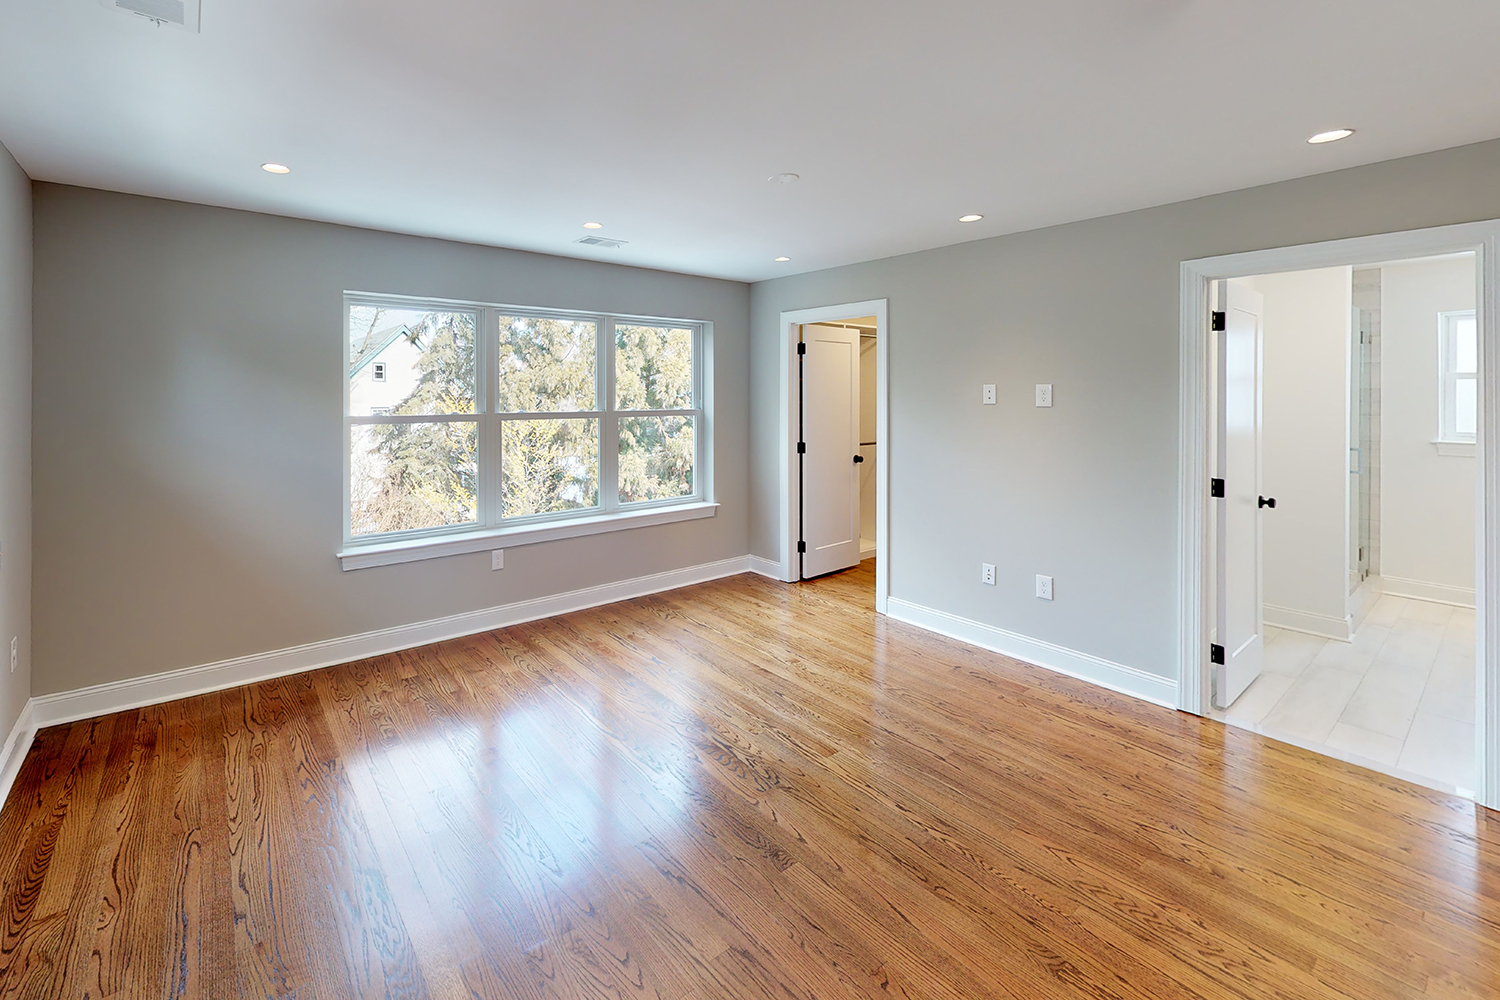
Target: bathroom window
[1458,341]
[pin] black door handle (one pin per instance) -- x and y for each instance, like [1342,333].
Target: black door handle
[858,459]
[1268,502]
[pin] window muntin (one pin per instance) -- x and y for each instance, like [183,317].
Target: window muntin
[1458,364]
[567,415]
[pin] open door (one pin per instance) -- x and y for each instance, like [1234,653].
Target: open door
[1240,647]
[830,452]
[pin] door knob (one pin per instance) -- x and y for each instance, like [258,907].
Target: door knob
[1267,502]
[858,459]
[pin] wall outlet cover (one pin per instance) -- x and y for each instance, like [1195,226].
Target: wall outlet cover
[987,574]
[1044,587]
[989,395]
[1044,394]
[497,559]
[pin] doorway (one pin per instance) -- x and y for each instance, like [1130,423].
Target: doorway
[834,493]
[1346,532]
[836,450]
[1340,637]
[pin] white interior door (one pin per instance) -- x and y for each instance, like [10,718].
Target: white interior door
[830,436]
[1240,619]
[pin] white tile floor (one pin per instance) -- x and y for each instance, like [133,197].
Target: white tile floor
[1399,698]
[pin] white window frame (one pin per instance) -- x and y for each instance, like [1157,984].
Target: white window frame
[491,530]
[1449,377]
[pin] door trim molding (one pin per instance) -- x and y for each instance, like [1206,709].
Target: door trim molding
[790,320]
[1194,521]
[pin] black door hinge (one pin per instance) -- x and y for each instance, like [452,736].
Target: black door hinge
[801,347]
[1218,322]
[1216,488]
[1215,653]
[801,546]
[802,447]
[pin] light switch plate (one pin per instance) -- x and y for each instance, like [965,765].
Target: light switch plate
[497,559]
[1044,394]
[989,395]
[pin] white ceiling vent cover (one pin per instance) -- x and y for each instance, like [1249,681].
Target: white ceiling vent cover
[600,241]
[174,13]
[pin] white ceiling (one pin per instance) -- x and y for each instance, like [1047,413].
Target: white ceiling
[510,123]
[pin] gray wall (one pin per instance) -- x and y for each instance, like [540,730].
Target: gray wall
[188,432]
[1084,491]
[15,438]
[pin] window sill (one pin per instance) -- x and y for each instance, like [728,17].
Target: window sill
[414,549]
[1455,449]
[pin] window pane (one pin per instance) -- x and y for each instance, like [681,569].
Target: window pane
[548,466]
[1466,415]
[410,361]
[656,458]
[404,476]
[653,368]
[546,364]
[1466,344]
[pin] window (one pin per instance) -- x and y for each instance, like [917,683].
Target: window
[477,419]
[1458,340]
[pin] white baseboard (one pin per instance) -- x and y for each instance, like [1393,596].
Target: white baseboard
[154,689]
[765,567]
[1325,626]
[866,548]
[16,745]
[1434,593]
[1084,666]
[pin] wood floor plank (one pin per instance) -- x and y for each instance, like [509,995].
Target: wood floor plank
[738,791]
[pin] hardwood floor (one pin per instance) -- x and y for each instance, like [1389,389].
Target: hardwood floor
[738,790]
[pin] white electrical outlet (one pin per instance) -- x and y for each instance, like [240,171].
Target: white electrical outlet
[989,395]
[497,559]
[1044,394]
[1044,587]
[15,651]
[987,574]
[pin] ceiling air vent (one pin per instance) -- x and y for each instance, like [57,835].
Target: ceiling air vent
[600,241]
[173,13]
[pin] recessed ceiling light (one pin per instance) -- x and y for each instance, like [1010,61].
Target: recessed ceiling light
[593,225]
[784,178]
[1332,136]
[970,218]
[782,260]
[275,168]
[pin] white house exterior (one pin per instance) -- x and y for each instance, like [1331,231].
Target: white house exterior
[384,374]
